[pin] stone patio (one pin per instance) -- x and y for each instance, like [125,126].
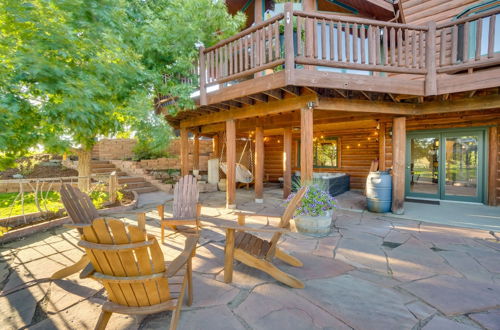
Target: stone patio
[372,272]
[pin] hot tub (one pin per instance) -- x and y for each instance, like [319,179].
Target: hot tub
[334,183]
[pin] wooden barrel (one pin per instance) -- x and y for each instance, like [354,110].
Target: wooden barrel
[379,192]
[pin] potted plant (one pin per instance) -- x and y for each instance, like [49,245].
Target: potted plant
[315,213]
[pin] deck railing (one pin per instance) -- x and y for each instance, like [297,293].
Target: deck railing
[304,40]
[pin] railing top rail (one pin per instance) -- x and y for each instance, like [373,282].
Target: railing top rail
[469,18]
[350,19]
[244,32]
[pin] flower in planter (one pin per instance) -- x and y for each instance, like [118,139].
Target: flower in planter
[316,202]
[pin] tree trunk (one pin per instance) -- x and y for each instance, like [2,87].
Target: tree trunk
[84,169]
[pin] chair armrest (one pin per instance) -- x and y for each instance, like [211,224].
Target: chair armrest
[177,263]
[228,224]
[257,215]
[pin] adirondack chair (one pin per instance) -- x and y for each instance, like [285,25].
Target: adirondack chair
[186,209]
[257,252]
[81,210]
[130,265]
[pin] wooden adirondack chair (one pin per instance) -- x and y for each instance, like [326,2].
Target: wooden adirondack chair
[81,210]
[186,209]
[257,252]
[130,265]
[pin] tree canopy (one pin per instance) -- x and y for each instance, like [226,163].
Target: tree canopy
[73,70]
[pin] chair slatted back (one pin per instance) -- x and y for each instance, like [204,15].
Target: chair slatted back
[186,196]
[78,205]
[131,261]
[285,220]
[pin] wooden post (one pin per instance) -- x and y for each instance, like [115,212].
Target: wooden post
[203,78]
[430,60]
[306,145]
[289,51]
[196,151]
[287,162]
[184,152]
[258,13]
[231,164]
[113,186]
[309,6]
[259,164]
[84,169]
[229,256]
[493,165]
[381,147]
[215,146]
[398,164]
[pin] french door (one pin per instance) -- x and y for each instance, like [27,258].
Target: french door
[446,165]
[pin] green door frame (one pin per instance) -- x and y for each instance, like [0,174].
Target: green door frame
[442,135]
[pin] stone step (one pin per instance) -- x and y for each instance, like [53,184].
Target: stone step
[143,190]
[100,162]
[104,170]
[118,172]
[129,179]
[103,165]
[134,185]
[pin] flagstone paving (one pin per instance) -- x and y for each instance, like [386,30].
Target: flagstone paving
[371,272]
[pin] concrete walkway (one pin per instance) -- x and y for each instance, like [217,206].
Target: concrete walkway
[372,272]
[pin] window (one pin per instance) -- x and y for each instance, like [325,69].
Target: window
[326,152]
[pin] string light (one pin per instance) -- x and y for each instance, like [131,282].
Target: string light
[359,144]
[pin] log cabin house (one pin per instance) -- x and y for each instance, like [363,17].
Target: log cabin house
[331,85]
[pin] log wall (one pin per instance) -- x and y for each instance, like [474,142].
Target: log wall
[359,147]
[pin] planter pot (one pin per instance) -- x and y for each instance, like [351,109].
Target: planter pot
[314,226]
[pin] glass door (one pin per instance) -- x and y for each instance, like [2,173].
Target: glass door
[463,166]
[422,170]
[446,165]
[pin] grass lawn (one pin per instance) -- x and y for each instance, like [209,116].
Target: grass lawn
[52,201]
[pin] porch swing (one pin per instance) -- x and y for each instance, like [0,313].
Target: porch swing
[243,174]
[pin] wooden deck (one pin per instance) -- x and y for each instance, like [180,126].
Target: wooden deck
[306,56]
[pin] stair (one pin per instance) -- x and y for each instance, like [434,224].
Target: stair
[136,183]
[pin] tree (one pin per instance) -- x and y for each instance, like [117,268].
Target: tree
[74,70]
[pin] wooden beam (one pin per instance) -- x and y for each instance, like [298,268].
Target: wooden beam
[398,164]
[466,82]
[245,100]
[259,164]
[293,90]
[306,145]
[493,165]
[287,162]
[184,152]
[196,151]
[346,81]
[259,97]
[381,146]
[337,104]
[231,164]
[274,107]
[465,104]
[275,94]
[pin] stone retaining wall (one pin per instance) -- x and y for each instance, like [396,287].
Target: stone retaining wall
[112,149]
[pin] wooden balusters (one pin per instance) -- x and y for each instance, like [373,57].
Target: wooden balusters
[362,45]
[421,41]
[400,47]
[454,44]
[347,36]
[491,36]
[203,77]
[339,42]
[442,47]
[355,42]
[393,46]
[299,36]
[277,46]
[413,49]
[315,38]
[465,45]
[479,31]
[385,43]
[332,40]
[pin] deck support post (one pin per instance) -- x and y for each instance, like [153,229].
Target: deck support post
[196,151]
[184,152]
[215,146]
[306,145]
[203,77]
[231,164]
[493,165]
[259,164]
[381,147]
[287,162]
[398,164]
